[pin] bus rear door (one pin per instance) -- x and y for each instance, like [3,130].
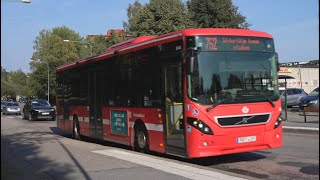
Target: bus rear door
[95,103]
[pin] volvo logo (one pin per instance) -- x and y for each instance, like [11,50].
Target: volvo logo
[245,109]
[245,120]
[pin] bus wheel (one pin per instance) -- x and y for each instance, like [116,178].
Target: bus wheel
[141,140]
[76,129]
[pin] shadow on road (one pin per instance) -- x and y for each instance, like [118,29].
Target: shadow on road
[206,161]
[22,152]
[59,132]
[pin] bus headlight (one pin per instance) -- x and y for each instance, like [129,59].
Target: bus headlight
[199,125]
[278,122]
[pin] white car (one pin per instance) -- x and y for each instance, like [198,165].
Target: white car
[293,96]
[11,108]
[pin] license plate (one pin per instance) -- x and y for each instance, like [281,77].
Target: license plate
[45,113]
[246,139]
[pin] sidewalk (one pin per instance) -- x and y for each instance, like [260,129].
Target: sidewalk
[295,121]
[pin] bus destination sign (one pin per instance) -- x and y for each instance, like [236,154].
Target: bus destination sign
[234,43]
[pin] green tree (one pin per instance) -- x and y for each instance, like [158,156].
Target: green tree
[216,14]
[132,12]
[6,88]
[13,83]
[52,50]
[157,17]
[98,43]
[4,74]
[18,81]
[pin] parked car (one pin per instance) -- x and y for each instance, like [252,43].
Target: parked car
[293,96]
[38,109]
[11,108]
[312,100]
[3,103]
[22,100]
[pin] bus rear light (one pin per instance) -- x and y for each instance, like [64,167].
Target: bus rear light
[199,125]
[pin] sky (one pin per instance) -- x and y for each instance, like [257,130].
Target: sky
[294,24]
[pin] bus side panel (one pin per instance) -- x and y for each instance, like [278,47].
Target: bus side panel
[83,118]
[60,124]
[59,111]
[84,128]
[156,141]
[152,119]
[107,134]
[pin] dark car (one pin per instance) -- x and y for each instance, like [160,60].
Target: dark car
[3,103]
[38,109]
[293,96]
[22,100]
[310,101]
[11,108]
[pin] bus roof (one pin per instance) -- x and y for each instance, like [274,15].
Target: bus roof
[149,41]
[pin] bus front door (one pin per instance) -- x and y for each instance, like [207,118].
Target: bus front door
[95,104]
[174,125]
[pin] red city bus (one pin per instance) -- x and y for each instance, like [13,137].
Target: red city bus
[191,93]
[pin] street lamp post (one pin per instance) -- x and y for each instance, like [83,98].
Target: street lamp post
[48,76]
[83,42]
[300,76]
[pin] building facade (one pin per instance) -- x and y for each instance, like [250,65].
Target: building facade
[117,32]
[305,74]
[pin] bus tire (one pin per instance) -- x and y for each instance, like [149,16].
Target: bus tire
[76,130]
[141,141]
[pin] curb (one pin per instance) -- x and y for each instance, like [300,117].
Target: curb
[301,128]
[309,130]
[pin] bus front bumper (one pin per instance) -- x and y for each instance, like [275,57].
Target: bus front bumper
[221,145]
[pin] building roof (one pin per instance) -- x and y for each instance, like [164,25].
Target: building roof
[309,64]
[118,32]
[280,76]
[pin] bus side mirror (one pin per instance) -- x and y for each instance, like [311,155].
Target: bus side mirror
[191,54]
[277,62]
[190,65]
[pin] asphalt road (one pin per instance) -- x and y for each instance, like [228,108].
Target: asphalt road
[38,150]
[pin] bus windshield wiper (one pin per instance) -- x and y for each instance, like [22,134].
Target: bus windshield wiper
[217,104]
[268,99]
[263,95]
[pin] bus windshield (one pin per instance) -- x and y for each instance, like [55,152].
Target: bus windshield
[227,77]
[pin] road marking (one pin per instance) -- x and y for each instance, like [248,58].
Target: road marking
[302,128]
[166,166]
[10,117]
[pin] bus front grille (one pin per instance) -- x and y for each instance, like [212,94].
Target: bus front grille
[252,119]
